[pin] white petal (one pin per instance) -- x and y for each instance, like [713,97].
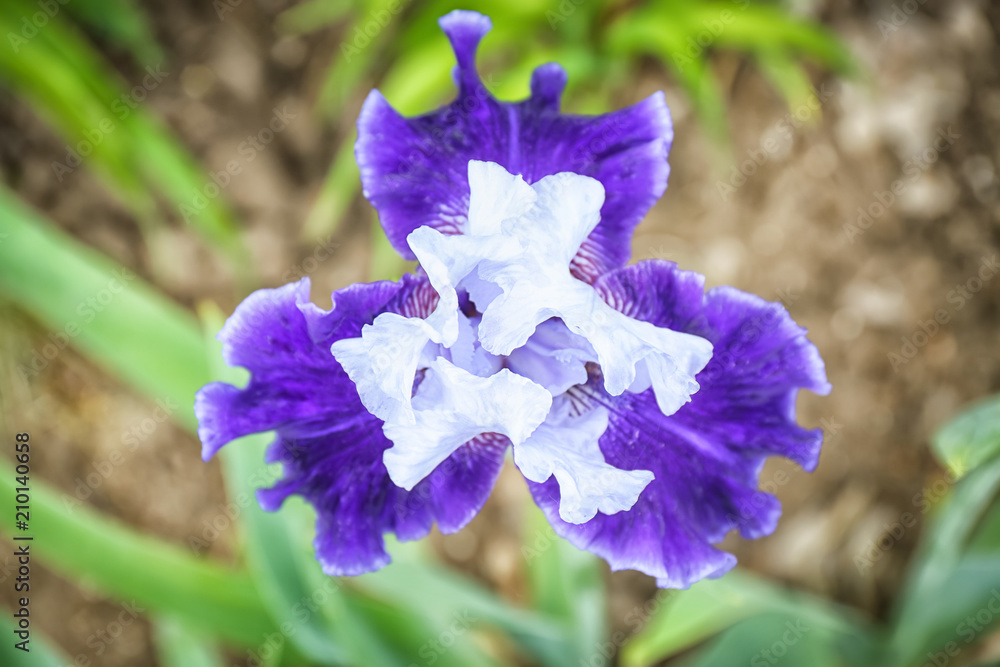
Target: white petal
[447,259]
[383,362]
[567,446]
[494,196]
[530,265]
[621,343]
[566,212]
[452,406]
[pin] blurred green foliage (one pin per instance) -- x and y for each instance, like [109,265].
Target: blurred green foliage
[51,65]
[201,606]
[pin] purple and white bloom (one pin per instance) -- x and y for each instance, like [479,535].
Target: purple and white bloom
[639,408]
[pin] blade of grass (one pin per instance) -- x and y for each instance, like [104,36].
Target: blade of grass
[410,635]
[761,25]
[356,55]
[944,615]
[758,640]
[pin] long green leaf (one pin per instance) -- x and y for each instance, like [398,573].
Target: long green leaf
[443,597]
[959,611]
[566,584]
[942,578]
[105,310]
[341,185]
[123,23]
[409,636]
[42,651]
[81,544]
[788,76]
[681,619]
[772,638]
[178,646]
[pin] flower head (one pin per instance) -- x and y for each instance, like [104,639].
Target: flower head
[639,408]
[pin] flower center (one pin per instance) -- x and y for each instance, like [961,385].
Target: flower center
[505,368]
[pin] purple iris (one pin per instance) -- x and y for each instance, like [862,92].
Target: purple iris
[639,408]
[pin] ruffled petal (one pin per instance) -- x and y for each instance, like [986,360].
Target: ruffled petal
[453,406]
[330,446]
[565,447]
[528,260]
[414,169]
[707,456]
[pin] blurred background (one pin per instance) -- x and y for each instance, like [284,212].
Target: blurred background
[160,160]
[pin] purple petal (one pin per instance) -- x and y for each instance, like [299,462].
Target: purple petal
[330,446]
[707,456]
[414,170]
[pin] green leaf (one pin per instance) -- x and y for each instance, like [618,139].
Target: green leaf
[970,439]
[421,80]
[772,638]
[566,584]
[645,32]
[944,577]
[341,185]
[411,634]
[123,23]
[81,544]
[949,532]
[105,310]
[177,646]
[789,78]
[682,619]
[959,610]
[356,56]
[42,651]
[760,25]
[442,597]
[276,558]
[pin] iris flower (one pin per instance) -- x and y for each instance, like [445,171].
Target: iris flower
[639,408]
